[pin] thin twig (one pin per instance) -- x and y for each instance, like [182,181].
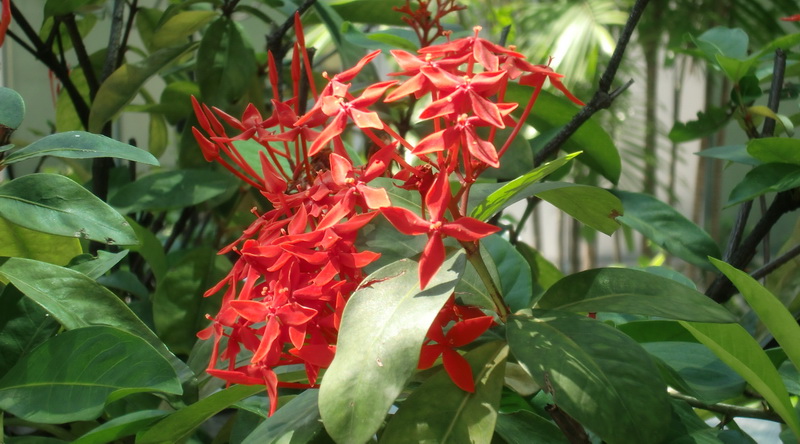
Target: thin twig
[728,409]
[776,263]
[275,38]
[778,72]
[80,51]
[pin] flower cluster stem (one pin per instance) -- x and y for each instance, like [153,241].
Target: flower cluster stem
[474,257]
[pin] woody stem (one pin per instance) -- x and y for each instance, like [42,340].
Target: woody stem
[474,257]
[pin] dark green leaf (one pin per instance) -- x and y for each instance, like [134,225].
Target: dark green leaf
[125,281]
[296,422]
[707,123]
[81,145]
[439,411]
[514,272]
[181,424]
[595,207]
[471,290]
[23,326]
[125,425]
[735,347]
[524,427]
[54,204]
[63,7]
[667,228]
[733,153]
[13,110]
[179,307]
[226,63]
[600,153]
[687,428]
[96,267]
[596,374]
[180,26]
[517,161]
[151,250]
[382,329]
[766,178]
[543,272]
[375,40]
[775,149]
[363,11]
[21,242]
[516,190]
[77,301]
[71,376]
[622,290]
[124,84]
[169,190]
[656,331]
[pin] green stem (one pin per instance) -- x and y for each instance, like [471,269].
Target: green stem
[54,430]
[474,257]
[729,410]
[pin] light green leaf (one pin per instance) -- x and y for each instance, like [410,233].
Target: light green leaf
[158,135]
[21,242]
[87,367]
[735,347]
[54,204]
[124,84]
[382,329]
[516,190]
[13,110]
[766,178]
[375,40]
[81,145]
[594,373]
[667,228]
[775,149]
[439,411]
[96,267]
[622,290]
[180,26]
[77,301]
[730,42]
[513,270]
[125,425]
[169,190]
[595,207]
[733,153]
[181,424]
[63,7]
[296,422]
[770,310]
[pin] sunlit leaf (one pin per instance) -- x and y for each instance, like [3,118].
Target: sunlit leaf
[81,145]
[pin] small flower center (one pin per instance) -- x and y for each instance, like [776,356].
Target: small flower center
[435,226]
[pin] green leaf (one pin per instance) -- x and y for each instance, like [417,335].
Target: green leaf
[687,428]
[375,40]
[697,371]
[596,374]
[363,11]
[439,411]
[125,425]
[180,26]
[226,63]
[296,422]
[77,301]
[775,149]
[151,250]
[169,190]
[348,54]
[54,204]
[600,152]
[656,331]
[729,42]
[707,123]
[770,310]
[382,329]
[13,110]
[96,267]
[67,118]
[622,290]
[595,207]
[63,7]
[23,326]
[733,153]
[124,84]
[514,272]
[735,68]
[181,424]
[81,145]
[735,347]
[516,190]
[524,427]
[157,135]
[667,228]
[544,274]
[179,307]
[766,178]
[86,367]
[471,290]
[19,241]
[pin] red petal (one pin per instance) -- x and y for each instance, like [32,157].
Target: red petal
[443,106]
[557,83]
[428,355]
[319,355]
[438,141]
[459,370]
[438,197]
[411,86]
[332,130]
[406,221]
[372,93]
[466,331]
[346,76]
[374,197]
[481,149]
[431,260]
[365,119]
[378,162]
[253,311]
[468,229]
[235,377]
[341,169]
[486,110]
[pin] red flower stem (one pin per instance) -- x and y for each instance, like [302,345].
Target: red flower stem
[399,159]
[396,136]
[474,257]
[501,95]
[521,120]
[238,174]
[276,163]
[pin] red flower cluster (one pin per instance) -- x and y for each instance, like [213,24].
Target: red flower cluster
[298,263]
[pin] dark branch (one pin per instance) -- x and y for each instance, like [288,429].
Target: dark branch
[729,410]
[778,72]
[776,263]
[275,38]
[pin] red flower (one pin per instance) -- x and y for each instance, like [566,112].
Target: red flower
[537,76]
[5,20]
[791,18]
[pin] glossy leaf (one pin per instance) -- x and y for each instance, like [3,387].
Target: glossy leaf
[54,204]
[125,425]
[733,153]
[544,274]
[770,310]
[23,326]
[362,11]
[687,428]
[19,241]
[81,145]
[667,228]
[551,111]
[151,249]
[524,427]
[438,411]
[180,424]
[735,347]
[375,40]
[593,206]
[124,84]
[96,267]
[169,190]
[471,290]
[594,373]
[77,301]
[13,110]
[622,290]
[226,63]
[179,307]
[516,190]
[298,421]
[766,178]
[63,7]
[513,270]
[382,329]
[87,367]
[175,30]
